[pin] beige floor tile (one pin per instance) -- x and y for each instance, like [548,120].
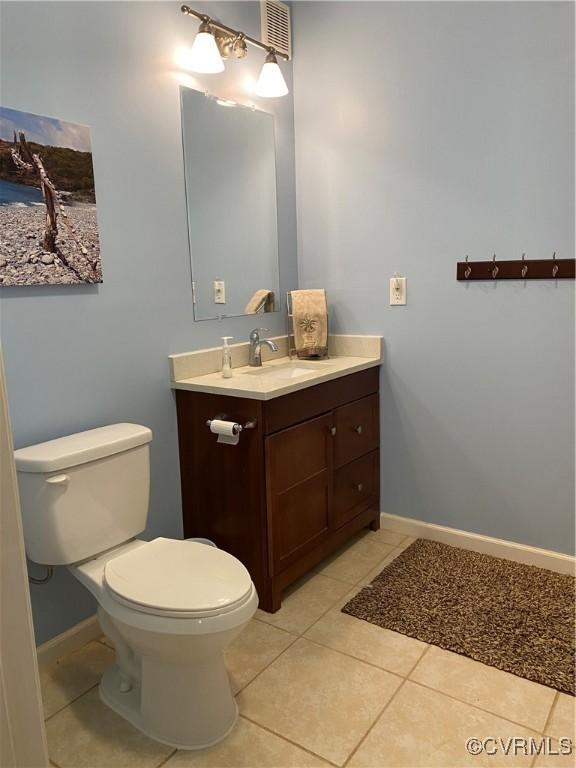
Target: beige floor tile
[252,651]
[352,592]
[353,562]
[248,746]
[405,544]
[378,568]
[318,698]
[87,734]
[305,603]
[367,642]
[563,719]
[73,675]
[509,696]
[560,755]
[422,729]
[384,536]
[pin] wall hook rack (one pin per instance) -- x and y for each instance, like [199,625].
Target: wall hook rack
[517,269]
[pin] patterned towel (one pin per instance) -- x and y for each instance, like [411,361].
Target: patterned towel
[310,322]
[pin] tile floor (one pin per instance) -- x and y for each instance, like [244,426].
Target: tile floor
[318,688]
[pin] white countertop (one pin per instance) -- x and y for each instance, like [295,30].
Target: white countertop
[259,384]
[280,375]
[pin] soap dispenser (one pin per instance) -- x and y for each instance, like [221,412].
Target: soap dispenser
[226,357]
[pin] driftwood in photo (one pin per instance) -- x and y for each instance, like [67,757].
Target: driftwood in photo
[26,160]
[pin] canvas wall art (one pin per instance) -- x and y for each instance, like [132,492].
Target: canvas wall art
[48,221]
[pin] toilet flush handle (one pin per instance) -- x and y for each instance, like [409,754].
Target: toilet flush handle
[58,479]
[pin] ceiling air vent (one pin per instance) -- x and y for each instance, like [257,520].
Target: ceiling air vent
[275,18]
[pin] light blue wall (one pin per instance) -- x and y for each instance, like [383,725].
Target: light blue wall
[424,132]
[80,357]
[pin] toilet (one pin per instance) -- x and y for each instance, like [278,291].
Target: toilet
[170,607]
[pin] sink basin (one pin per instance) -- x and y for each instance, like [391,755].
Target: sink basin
[286,371]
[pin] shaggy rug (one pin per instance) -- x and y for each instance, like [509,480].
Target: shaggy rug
[515,617]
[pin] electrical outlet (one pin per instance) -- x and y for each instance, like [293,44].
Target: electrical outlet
[397,291]
[219,292]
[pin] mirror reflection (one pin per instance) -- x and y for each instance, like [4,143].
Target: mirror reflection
[230,173]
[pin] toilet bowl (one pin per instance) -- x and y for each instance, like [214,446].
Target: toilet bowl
[170,607]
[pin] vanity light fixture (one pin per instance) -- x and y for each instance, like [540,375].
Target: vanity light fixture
[204,54]
[215,42]
[271,82]
[239,47]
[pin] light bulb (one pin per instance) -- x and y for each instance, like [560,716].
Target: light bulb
[271,82]
[204,54]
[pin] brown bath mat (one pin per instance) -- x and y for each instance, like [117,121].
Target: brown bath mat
[511,616]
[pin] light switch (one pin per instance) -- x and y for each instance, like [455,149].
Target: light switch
[219,292]
[397,291]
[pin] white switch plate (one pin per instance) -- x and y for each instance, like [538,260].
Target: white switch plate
[219,292]
[397,291]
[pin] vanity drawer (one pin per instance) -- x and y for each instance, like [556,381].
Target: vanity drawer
[357,429]
[285,411]
[354,486]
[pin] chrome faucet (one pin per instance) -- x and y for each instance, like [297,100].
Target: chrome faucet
[255,353]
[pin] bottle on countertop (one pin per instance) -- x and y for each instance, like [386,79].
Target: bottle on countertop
[226,357]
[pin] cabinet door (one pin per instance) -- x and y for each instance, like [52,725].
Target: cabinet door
[299,489]
[357,429]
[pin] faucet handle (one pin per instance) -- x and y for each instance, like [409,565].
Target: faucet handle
[255,334]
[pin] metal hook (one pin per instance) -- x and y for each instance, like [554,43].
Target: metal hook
[468,270]
[555,268]
[495,268]
[524,270]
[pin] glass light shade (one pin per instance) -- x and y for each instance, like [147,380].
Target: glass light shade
[204,54]
[271,82]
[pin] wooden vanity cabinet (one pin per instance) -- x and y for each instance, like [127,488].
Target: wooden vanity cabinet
[297,485]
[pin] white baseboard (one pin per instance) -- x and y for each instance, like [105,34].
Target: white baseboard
[521,553]
[71,640]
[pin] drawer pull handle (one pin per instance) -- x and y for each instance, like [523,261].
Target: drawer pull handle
[358,429]
[333,431]
[359,487]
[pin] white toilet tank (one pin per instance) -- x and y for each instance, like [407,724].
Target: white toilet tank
[85,493]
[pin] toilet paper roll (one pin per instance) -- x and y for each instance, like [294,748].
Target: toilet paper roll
[227,431]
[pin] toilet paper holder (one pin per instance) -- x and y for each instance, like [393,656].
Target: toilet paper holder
[251,424]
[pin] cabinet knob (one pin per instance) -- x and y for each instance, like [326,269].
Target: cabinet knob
[333,431]
[359,487]
[358,429]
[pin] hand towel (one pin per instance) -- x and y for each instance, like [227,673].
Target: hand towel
[310,323]
[261,301]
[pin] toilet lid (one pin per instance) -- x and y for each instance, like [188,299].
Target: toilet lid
[168,575]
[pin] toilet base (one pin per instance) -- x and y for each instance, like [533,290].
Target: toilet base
[129,706]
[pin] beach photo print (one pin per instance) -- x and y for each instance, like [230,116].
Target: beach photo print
[48,222]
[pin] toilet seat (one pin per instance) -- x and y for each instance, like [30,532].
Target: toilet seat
[185,579]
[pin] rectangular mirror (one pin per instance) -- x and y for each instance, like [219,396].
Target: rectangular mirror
[230,173]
